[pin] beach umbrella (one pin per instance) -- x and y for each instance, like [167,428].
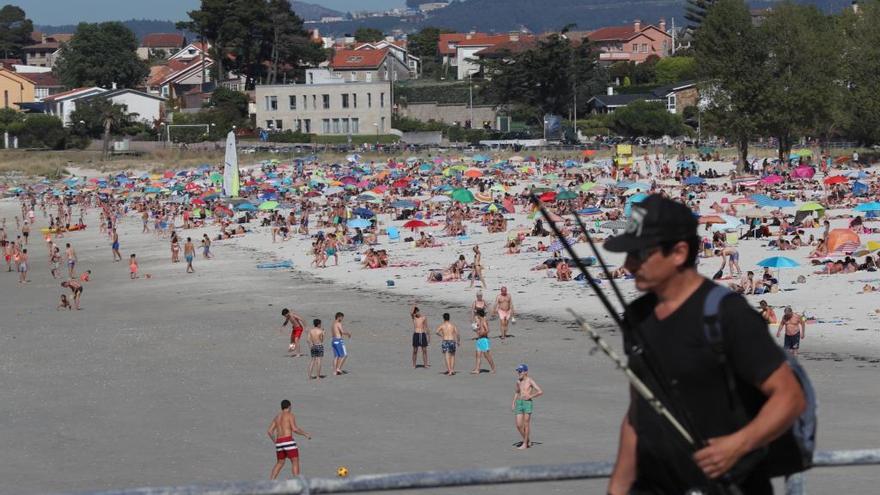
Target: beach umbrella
[402,203]
[586,186]
[635,198]
[566,195]
[473,173]
[778,262]
[754,213]
[772,179]
[463,196]
[558,245]
[710,219]
[268,205]
[694,181]
[614,225]
[358,223]
[872,206]
[245,207]
[483,197]
[842,241]
[364,213]
[548,196]
[803,172]
[730,223]
[588,153]
[835,179]
[439,199]
[589,211]
[812,206]
[414,224]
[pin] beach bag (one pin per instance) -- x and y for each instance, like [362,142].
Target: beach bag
[793,451]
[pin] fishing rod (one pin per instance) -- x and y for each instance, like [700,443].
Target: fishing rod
[688,432]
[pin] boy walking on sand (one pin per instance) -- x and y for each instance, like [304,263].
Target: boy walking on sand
[525,391]
[316,349]
[281,432]
[132,267]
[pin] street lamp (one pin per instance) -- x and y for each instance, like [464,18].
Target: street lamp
[376,125]
[545,131]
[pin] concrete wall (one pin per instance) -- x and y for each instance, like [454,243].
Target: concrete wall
[449,113]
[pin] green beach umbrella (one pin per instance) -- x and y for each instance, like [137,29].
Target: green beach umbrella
[268,205]
[566,195]
[811,206]
[463,196]
[586,186]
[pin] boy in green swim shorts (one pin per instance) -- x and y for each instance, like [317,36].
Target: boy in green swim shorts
[525,391]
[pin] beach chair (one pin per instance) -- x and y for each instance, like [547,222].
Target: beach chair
[393,234]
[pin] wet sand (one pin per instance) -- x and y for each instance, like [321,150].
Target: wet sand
[174,380]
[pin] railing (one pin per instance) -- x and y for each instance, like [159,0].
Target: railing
[440,479]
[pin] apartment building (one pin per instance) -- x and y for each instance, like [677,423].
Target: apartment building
[329,106]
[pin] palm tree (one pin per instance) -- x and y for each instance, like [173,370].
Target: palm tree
[112,115]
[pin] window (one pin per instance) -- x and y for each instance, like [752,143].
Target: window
[670,103]
[326,99]
[314,102]
[165,91]
[5,98]
[335,128]
[311,78]
[308,129]
[355,126]
[345,127]
[369,100]
[644,48]
[354,76]
[381,100]
[297,125]
[382,126]
[271,103]
[270,124]
[305,100]
[345,101]
[354,100]
[279,125]
[635,47]
[325,126]
[368,77]
[292,102]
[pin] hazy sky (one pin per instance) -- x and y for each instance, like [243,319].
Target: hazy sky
[58,12]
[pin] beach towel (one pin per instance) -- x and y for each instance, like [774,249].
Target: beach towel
[275,264]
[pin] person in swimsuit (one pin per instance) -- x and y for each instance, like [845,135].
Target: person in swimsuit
[76,288]
[316,349]
[482,346]
[420,337]
[115,245]
[175,248]
[478,309]
[206,246]
[451,340]
[795,331]
[23,266]
[338,342]
[478,267]
[296,325]
[189,253]
[56,261]
[132,267]
[71,261]
[504,310]
[331,250]
[281,432]
[524,392]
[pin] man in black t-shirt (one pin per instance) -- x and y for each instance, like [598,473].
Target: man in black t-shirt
[661,244]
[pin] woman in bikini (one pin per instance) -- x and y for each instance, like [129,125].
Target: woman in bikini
[478,267]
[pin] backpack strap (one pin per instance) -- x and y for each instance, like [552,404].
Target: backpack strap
[715,338]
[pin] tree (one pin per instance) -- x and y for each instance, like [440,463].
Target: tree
[39,131]
[209,22]
[695,12]
[368,35]
[649,119]
[100,117]
[732,56]
[289,45]
[424,45]
[15,31]
[546,79]
[101,55]
[802,93]
[860,105]
[674,69]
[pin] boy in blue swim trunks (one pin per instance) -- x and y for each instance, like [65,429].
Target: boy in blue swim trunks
[525,391]
[338,343]
[482,345]
[189,252]
[451,340]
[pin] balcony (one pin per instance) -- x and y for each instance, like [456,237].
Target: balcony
[615,56]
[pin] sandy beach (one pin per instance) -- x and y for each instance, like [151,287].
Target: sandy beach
[173,380]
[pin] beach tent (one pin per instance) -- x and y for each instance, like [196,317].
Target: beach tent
[842,241]
[803,172]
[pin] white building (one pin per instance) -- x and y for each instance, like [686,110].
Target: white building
[326,107]
[149,108]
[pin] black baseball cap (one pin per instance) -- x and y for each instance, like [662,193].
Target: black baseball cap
[653,221]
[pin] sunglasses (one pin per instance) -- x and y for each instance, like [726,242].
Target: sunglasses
[642,255]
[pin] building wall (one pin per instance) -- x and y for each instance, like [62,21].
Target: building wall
[13,90]
[686,98]
[368,103]
[398,70]
[465,67]
[449,114]
[149,110]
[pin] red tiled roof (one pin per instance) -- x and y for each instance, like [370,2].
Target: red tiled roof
[163,40]
[525,42]
[49,45]
[613,33]
[60,37]
[37,36]
[455,38]
[7,63]
[159,74]
[358,59]
[470,39]
[41,79]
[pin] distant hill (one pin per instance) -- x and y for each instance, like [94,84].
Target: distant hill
[545,15]
[142,27]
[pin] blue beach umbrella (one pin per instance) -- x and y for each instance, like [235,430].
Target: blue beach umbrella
[364,213]
[359,223]
[778,262]
[694,181]
[872,206]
